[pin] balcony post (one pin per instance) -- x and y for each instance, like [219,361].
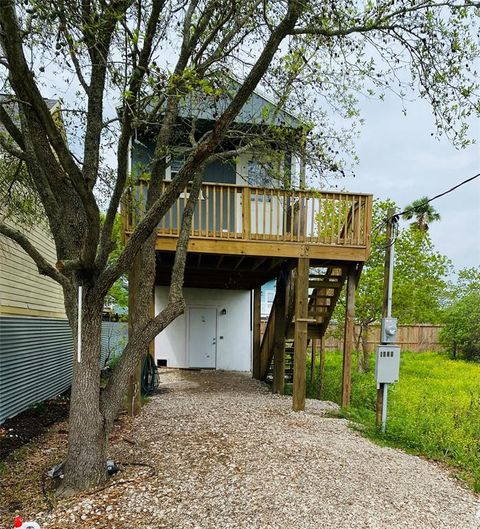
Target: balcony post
[246,212]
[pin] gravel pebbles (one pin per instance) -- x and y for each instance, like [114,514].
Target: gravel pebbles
[226,453]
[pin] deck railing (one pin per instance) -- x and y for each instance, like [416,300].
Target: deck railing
[227,211]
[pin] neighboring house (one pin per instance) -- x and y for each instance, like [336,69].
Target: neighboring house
[267,297]
[35,338]
[36,348]
[250,229]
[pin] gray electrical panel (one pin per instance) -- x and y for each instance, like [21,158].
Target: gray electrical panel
[388,330]
[387,365]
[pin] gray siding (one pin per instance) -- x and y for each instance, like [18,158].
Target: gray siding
[114,339]
[36,359]
[35,362]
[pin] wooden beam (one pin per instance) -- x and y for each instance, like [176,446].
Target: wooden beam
[220,261]
[324,284]
[239,262]
[259,263]
[300,344]
[279,334]
[256,367]
[275,262]
[348,339]
[277,249]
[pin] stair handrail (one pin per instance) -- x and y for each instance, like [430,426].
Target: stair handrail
[348,223]
[266,347]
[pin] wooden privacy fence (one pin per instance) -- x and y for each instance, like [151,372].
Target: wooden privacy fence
[417,338]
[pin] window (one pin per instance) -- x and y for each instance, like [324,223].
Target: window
[258,176]
[176,163]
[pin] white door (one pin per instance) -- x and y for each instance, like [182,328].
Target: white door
[202,337]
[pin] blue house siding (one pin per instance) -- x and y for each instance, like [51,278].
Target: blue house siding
[267,297]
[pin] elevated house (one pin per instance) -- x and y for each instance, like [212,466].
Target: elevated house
[254,222]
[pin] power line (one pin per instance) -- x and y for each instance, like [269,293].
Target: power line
[376,229]
[436,196]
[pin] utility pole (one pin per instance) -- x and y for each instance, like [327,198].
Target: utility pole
[388,356]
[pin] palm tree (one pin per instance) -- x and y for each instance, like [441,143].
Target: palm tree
[423,213]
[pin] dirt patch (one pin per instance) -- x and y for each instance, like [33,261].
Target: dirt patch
[21,429]
[25,488]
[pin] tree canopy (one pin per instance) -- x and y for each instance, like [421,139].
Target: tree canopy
[420,278]
[461,334]
[420,275]
[423,212]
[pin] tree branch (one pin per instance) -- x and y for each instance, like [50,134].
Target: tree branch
[123,151]
[138,343]
[198,157]
[11,128]
[34,107]
[44,267]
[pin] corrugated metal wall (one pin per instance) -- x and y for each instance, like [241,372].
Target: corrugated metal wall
[36,359]
[114,339]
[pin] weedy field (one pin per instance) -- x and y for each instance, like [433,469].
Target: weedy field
[434,410]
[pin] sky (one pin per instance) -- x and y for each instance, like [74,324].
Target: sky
[401,160]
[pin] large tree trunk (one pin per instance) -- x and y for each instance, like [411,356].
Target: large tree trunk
[85,465]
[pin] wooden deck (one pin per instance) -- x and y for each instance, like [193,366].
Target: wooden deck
[265,222]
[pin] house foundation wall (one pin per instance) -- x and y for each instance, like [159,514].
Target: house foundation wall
[233,334]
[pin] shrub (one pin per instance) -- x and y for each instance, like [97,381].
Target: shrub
[461,334]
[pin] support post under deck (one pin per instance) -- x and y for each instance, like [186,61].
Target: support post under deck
[256,361]
[279,334]
[300,336]
[349,335]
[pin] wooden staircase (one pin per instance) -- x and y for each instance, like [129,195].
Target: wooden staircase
[325,286]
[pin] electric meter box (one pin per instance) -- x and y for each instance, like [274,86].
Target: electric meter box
[388,330]
[387,365]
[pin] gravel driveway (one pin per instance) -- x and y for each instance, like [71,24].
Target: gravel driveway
[228,454]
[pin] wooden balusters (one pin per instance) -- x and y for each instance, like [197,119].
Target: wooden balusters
[336,219]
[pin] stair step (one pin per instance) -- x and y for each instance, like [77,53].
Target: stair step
[325,284]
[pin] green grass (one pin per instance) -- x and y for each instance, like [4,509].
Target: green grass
[434,410]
